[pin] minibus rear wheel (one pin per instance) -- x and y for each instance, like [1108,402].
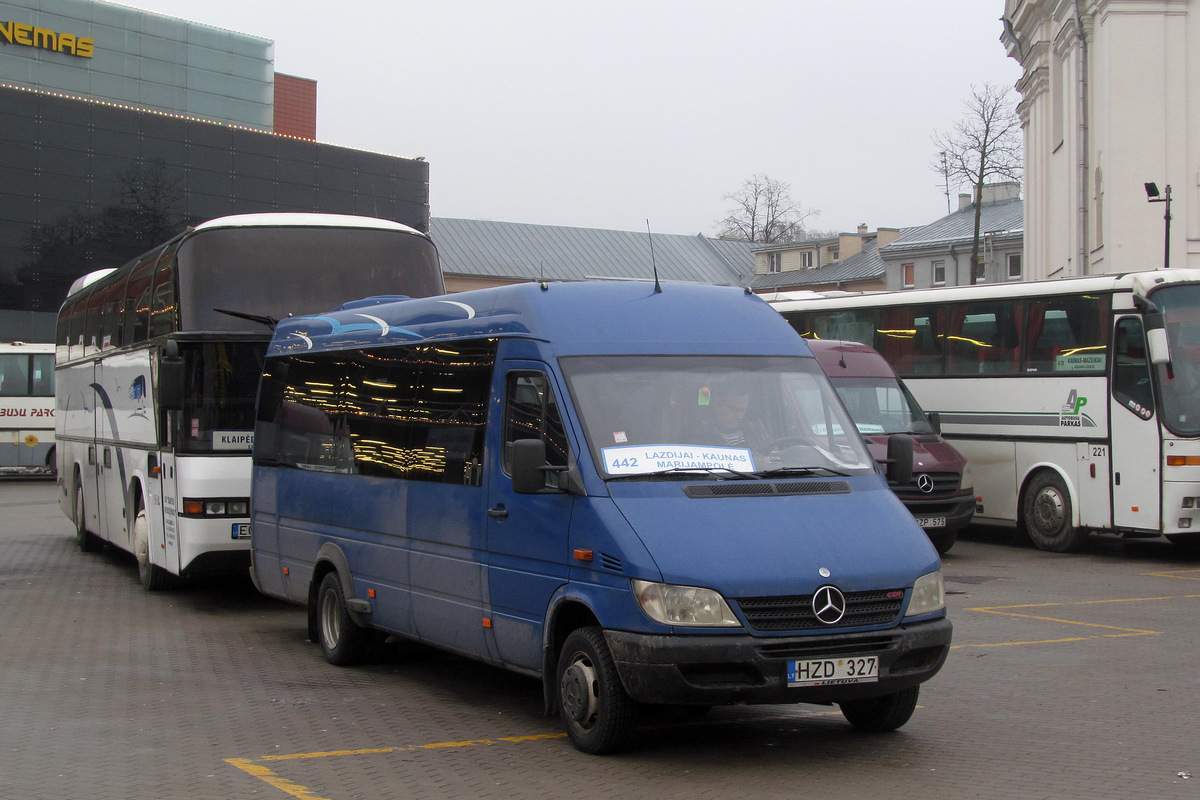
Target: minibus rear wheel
[598,714]
[880,714]
[343,642]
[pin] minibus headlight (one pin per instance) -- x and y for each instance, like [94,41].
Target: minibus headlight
[966,481]
[683,605]
[928,595]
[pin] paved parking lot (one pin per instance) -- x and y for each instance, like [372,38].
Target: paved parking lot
[1072,676]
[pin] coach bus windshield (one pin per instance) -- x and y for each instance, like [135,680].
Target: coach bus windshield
[681,416]
[1179,381]
[220,381]
[275,272]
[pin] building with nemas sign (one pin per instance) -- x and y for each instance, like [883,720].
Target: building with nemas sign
[119,127]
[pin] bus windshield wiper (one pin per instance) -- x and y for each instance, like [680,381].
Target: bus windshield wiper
[803,471]
[270,322]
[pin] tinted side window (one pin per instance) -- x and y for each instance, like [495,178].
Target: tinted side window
[418,413]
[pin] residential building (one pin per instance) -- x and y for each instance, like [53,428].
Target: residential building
[939,254]
[850,262]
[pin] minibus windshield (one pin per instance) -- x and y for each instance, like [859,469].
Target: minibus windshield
[713,416]
[881,406]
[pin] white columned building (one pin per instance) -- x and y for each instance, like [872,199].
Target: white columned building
[1110,101]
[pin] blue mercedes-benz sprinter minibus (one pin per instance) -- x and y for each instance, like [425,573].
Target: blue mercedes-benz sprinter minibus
[640,495]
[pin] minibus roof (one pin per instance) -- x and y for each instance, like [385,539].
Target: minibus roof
[842,359]
[578,318]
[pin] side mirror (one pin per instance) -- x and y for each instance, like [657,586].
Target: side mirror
[170,378]
[900,459]
[935,422]
[1156,338]
[528,462]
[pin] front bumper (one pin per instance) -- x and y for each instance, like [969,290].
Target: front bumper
[718,670]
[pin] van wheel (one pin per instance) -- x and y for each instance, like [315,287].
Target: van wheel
[880,714]
[1047,514]
[87,541]
[153,577]
[598,714]
[343,642]
[942,540]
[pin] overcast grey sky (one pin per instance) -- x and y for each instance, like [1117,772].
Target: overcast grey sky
[606,114]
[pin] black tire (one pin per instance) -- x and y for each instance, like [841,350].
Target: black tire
[597,713]
[942,540]
[1046,514]
[87,541]
[880,714]
[153,577]
[342,641]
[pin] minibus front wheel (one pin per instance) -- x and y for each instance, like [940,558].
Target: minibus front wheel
[597,712]
[879,714]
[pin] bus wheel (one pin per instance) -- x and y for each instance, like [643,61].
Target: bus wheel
[88,542]
[879,714]
[598,714]
[1046,512]
[343,642]
[153,577]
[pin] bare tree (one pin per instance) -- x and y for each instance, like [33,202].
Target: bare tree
[985,144]
[764,212]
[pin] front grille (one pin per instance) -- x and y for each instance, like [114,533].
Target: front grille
[795,612]
[943,483]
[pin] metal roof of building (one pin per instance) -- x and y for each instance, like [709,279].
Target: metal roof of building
[1006,216]
[521,251]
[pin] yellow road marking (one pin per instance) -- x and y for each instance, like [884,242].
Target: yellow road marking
[1010,611]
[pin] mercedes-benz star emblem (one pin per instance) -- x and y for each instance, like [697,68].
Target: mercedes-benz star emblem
[829,604]
[925,483]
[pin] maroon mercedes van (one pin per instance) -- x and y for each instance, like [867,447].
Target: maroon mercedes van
[941,495]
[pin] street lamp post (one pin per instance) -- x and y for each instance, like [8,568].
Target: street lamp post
[1153,197]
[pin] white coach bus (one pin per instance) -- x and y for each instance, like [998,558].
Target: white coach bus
[26,408]
[158,364]
[1074,410]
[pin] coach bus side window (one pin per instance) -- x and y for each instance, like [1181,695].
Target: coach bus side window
[1131,373]
[531,412]
[137,302]
[910,338]
[1067,334]
[985,338]
[164,313]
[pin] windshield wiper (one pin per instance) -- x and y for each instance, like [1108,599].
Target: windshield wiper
[687,472]
[262,319]
[804,471]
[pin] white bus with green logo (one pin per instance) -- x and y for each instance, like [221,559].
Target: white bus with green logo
[1076,401]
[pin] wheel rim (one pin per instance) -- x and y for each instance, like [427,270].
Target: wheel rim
[1049,510]
[578,690]
[331,621]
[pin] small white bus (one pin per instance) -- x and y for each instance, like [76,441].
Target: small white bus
[26,408]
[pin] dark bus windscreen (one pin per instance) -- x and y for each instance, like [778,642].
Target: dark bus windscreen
[280,271]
